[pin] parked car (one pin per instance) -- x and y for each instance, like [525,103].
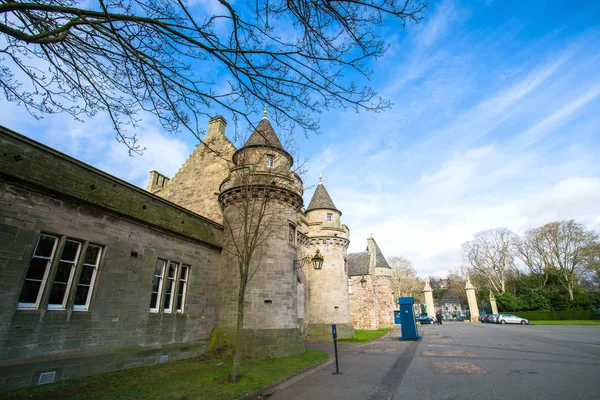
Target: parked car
[424,320]
[460,318]
[512,319]
[491,318]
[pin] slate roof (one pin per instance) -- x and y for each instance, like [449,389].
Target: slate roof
[264,135]
[380,261]
[321,199]
[358,263]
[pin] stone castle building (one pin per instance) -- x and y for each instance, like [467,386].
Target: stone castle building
[371,297]
[98,274]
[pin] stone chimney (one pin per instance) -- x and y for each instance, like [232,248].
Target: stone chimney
[216,127]
[157,182]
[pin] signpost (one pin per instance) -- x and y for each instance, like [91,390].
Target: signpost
[334,333]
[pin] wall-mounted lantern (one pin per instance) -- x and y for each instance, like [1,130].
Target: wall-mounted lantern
[363,281]
[317,261]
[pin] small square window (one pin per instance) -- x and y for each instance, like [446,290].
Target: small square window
[329,217]
[270,161]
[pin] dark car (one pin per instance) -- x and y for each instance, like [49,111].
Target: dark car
[424,319]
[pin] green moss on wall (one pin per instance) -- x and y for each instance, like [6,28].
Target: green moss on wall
[25,160]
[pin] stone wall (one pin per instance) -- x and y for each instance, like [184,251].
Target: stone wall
[328,290]
[363,304]
[385,298]
[43,191]
[196,184]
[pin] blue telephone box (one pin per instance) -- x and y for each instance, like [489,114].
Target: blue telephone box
[407,318]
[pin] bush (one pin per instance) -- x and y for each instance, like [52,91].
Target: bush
[556,315]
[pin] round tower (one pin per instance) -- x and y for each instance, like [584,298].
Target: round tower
[260,199]
[328,301]
[381,274]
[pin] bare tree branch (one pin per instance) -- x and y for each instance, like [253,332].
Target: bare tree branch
[122,56]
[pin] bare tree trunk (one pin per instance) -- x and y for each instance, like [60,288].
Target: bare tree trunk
[237,349]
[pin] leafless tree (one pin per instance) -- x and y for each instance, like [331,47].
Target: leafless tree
[531,250]
[256,209]
[181,62]
[492,253]
[405,282]
[565,248]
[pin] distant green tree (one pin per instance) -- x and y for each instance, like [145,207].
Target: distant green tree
[508,302]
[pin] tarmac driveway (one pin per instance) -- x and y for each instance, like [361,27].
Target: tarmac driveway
[459,361]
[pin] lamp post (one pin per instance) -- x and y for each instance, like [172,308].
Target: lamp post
[317,261]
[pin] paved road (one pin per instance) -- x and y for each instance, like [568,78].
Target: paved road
[460,361]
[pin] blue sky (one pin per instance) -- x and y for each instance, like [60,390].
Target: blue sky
[495,123]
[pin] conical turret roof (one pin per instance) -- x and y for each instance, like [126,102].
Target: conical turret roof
[321,199]
[380,261]
[264,135]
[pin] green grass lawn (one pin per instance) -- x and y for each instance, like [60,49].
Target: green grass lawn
[197,378]
[566,322]
[367,336]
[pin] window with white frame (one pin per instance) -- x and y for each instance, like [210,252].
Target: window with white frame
[87,278]
[329,217]
[157,284]
[169,286]
[182,288]
[270,161]
[350,286]
[37,274]
[50,278]
[63,276]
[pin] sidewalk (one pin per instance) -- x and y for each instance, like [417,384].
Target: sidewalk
[369,371]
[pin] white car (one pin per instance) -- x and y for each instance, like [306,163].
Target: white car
[511,319]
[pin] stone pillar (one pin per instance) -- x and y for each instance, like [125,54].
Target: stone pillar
[493,303]
[472,299]
[428,292]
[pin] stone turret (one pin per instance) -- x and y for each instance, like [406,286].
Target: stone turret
[381,272]
[328,288]
[371,299]
[262,186]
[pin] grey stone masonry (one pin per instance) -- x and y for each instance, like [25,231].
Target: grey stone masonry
[45,192]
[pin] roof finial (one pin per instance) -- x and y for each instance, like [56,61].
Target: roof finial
[320,179]
[264,111]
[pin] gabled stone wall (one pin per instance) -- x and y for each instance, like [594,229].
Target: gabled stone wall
[196,184]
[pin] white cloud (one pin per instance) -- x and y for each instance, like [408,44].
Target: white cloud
[437,25]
